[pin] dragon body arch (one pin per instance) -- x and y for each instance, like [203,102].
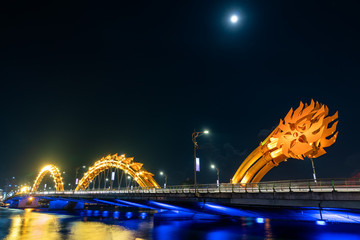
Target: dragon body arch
[134,169]
[55,174]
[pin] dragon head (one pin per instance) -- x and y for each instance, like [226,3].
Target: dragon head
[305,132]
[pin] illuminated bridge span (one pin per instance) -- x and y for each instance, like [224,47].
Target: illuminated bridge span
[325,200]
[55,174]
[134,169]
[304,132]
[111,162]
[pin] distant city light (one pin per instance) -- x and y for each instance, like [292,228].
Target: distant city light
[206,132]
[260,220]
[84,166]
[212,166]
[234,18]
[161,173]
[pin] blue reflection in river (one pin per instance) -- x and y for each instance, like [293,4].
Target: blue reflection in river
[27,224]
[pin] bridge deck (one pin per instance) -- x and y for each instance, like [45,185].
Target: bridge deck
[300,194]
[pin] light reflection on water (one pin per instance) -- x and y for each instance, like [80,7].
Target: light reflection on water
[26,225]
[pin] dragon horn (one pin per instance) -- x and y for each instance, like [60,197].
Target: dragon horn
[298,110]
[308,109]
[288,115]
[328,142]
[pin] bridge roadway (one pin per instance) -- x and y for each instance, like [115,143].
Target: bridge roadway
[342,194]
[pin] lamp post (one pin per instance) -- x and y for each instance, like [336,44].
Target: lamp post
[196,146]
[163,174]
[313,168]
[218,173]
[76,174]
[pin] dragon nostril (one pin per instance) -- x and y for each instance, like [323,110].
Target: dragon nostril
[303,139]
[295,134]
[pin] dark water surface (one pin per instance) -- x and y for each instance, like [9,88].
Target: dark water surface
[27,224]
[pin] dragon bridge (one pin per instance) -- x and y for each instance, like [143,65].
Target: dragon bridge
[304,132]
[134,169]
[55,174]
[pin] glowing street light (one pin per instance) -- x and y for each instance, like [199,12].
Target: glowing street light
[196,160]
[163,174]
[218,173]
[129,183]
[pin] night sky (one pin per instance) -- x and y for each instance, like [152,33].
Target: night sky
[80,80]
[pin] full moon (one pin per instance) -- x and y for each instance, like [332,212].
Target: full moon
[234,18]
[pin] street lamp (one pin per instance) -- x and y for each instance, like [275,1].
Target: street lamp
[196,146]
[218,173]
[128,182]
[163,174]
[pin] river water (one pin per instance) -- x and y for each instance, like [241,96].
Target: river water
[27,224]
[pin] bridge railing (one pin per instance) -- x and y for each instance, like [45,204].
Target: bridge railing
[321,185]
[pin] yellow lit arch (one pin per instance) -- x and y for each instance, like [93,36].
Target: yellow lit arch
[55,173]
[143,178]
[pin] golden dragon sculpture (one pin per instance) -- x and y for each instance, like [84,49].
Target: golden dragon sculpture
[304,132]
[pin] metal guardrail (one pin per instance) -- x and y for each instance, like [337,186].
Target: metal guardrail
[325,185]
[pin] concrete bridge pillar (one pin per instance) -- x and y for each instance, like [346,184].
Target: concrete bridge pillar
[29,202]
[65,205]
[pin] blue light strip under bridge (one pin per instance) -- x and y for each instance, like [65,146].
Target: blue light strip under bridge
[133,204]
[160,205]
[110,203]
